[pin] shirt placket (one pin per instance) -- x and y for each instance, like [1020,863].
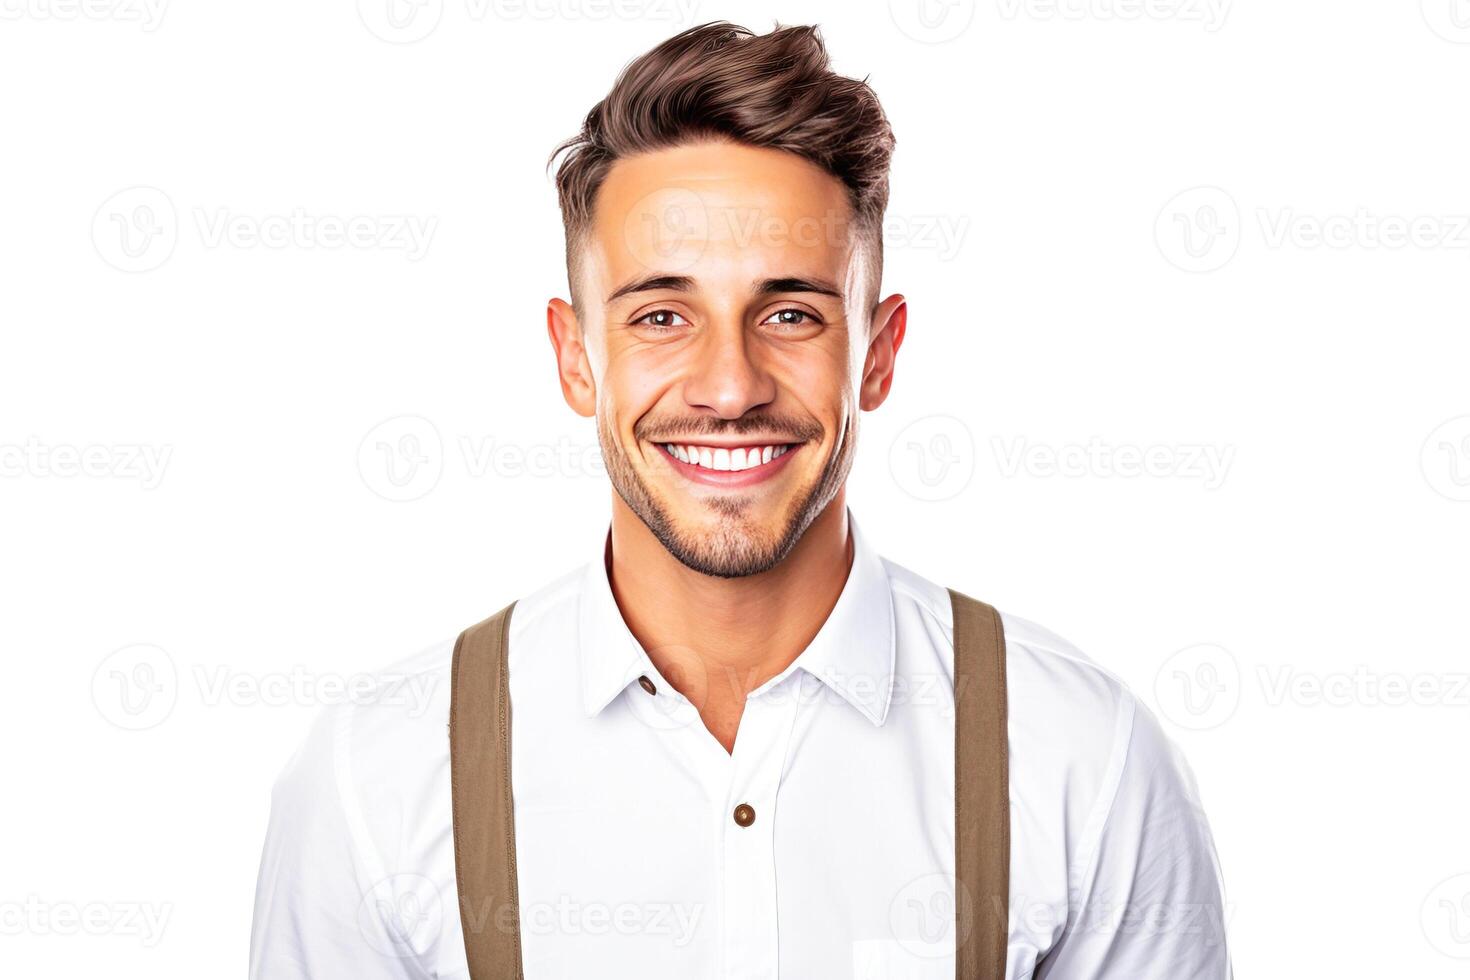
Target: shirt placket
[747,835]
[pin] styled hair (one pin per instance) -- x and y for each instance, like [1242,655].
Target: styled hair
[722,81]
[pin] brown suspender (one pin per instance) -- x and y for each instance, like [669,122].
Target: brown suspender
[982,805]
[484,819]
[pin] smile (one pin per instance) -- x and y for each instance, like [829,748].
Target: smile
[728,465]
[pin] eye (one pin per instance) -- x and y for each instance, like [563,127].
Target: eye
[790,318]
[661,320]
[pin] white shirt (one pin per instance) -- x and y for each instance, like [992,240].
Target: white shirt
[631,865]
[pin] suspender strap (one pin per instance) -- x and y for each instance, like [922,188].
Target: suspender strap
[982,820]
[484,819]
[484,816]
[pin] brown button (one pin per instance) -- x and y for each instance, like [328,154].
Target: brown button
[745,814]
[646,684]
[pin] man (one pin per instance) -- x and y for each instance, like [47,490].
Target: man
[734,729]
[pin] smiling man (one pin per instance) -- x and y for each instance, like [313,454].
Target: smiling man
[737,742]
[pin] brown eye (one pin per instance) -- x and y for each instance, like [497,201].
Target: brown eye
[791,318]
[662,320]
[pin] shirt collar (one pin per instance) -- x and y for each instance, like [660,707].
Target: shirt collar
[852,653]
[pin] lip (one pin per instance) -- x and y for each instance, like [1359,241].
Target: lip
[728,478]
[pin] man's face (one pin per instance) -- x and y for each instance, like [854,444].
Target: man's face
[725,314]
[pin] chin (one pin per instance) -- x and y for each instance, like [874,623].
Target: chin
[728,539]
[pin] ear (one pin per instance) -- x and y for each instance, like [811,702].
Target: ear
[889,320]
[572,367]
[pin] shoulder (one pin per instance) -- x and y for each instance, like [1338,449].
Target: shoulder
[1076,730]
[1068,706]
[385,734]
[382,747]
[1052,686]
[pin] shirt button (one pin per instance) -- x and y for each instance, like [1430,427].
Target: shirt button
[745,814]
[646,684]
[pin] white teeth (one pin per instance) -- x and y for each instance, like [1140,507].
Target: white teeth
[721,458]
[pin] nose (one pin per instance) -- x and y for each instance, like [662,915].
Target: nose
[726,376]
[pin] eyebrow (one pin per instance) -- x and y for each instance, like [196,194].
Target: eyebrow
[764,287]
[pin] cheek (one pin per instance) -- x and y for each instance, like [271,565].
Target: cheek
[636,381]
[820,381]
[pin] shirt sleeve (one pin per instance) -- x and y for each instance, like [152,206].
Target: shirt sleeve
[1147,900]
[319,912]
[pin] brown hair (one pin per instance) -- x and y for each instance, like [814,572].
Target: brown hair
[720,80]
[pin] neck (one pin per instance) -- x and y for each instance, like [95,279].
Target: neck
[717,639]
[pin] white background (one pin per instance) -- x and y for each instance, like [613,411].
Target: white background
[1230,239]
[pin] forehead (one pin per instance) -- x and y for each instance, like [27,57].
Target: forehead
[719,211]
